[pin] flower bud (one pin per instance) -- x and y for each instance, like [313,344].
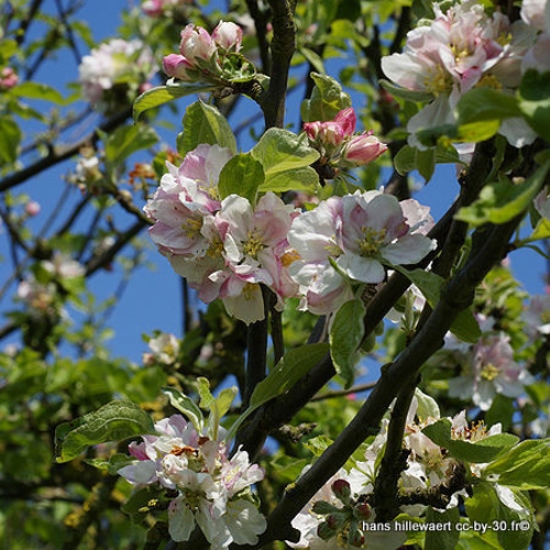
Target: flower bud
[325,531]
[363,149]
[362,511]
[355,537]
[346,120]
[196,43]
[228,35]
[177,66]
[342,490]
[322,507]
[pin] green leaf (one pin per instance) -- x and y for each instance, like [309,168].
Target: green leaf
[346,334]
[204,392]
[280,150]
[541,231]
[525,467]
[286,160]
[203,123]
[187,406]
[444,539]
[431,285]
[327,99]
[427,406]
[242,175]
[501,201]
[483,450]
[115,421]
[486,105]
[410,158]
[295,364]
[534,101]
[474,132]
[126,140]
[10,137]
[485,508]
[155,97]
[425,163]
[404,93]
[36,90]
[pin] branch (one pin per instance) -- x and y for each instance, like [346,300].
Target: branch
[394,377]
[59,154]
[282,50]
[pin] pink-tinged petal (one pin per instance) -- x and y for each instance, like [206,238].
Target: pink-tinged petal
[364,269]
[408,250]
[248,305]
[177,66]
[228,35]
[140,473]
[346,119]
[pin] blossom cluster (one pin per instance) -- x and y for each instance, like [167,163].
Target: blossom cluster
[113,73]
[341,510]
[228,248]
[337,143]
[158,8]
[209,489]
[204,56]
[485,369]
[463,48]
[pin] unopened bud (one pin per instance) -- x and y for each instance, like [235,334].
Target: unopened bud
[342,490]
[362,511]
[325,531]
[355,536]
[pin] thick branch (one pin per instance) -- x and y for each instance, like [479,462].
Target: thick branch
[282,50]
[394,377]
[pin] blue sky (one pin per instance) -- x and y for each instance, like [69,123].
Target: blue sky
[151,300]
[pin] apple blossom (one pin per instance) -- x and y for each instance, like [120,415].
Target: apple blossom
[212,490]
[350,239]
[157,8]
[115,66]
[460,49]
[488,369]
[164,349]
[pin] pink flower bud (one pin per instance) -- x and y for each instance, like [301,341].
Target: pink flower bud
[325,133]
[362,511]
[363,149]
[32,208]
[196,43]
[8,78]
[228,35]
[177,66]
[342,490]
[346,120]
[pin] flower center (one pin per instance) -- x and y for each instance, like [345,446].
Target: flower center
[215,249]
[372,241]
[438,81]
[489,372]
[489,81]
[253,245]
[191,226]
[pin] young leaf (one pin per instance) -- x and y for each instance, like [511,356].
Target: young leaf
[242,175]
[483,450]
[345,337]
[442,539]
[187,406]
[486,105]
[327,99]
[126,140]
[155,97]
[501,201]
[10,137]
[115,421]
[203,123]
[534,101]
[465,325]
[526,466]
[36,90]
[295,364]
[280,151]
